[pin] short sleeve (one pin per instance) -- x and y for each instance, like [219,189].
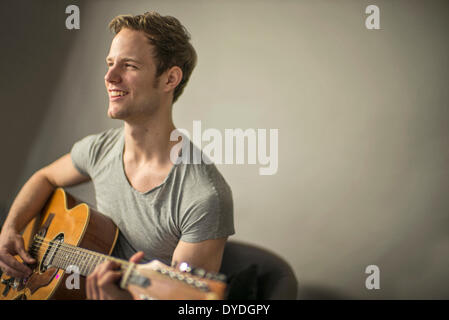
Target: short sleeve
[82,154]
[211,217]
[89,154]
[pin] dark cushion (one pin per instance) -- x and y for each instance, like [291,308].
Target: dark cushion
[275,278]
[242,285]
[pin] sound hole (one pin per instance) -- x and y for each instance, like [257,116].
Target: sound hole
[51,251]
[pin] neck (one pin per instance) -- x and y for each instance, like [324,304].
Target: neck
[149,141]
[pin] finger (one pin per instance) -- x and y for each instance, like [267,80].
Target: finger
[89,294]
[93,291]
[20,247]
[98,273]
[109,278]
[8,271]
[107,285]
[137,257]
[14,267]
[93,287]
[105,266]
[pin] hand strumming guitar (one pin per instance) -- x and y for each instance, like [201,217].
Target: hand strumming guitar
[11,244]
[102,283]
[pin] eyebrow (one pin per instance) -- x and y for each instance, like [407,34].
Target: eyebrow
[126,59]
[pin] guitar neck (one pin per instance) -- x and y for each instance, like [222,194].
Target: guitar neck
[70,258]
[166,282]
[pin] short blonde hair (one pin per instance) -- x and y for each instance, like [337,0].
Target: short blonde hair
[170,39]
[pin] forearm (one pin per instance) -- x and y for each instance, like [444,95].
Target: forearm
[29,201]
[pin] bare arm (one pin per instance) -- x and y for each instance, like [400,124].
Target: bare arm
[205,254]
[29,201]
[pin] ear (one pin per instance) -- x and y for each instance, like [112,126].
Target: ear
[173,78]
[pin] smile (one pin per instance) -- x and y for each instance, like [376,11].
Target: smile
[117,93]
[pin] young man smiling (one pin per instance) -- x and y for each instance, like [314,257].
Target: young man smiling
[165,211]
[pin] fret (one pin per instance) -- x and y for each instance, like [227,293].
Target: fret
[83,263]
[71,260]
[94,262]
[79,261]
[63,258]
[90,264]
[86,263]
[101,260]
[68,258]
[76,259]
[97,260]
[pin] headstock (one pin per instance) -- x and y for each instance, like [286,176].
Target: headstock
[155,280]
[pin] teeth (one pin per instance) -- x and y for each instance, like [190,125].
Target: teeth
[118,93]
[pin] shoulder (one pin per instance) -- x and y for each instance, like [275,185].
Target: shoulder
[205,185]
[207,208]
[104,138]
[200,173]
[101,141]
[95,149]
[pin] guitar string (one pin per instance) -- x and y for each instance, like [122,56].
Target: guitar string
[67,248]
[72,253]
[71,249]
[75,253]
[78,251]
[85,267]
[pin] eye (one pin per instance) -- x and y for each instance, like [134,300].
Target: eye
[130,66]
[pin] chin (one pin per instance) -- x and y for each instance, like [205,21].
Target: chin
[115,113]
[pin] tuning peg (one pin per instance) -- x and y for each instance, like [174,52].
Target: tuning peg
[184,267]
[199,272]
[220,277]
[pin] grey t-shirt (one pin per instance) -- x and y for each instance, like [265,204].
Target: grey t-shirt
[193,204]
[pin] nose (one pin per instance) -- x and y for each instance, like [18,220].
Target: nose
[112,75]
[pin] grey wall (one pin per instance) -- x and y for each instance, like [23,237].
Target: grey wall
[362,118]
[35,47]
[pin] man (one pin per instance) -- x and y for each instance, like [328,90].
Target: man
[173,212]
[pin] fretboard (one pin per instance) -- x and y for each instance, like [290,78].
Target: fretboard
[70,258]
[83,261]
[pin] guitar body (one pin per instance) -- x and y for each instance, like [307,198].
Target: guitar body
[66,218]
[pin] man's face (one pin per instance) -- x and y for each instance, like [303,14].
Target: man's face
[130,81]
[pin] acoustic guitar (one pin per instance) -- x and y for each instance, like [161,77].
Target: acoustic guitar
[69,236]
